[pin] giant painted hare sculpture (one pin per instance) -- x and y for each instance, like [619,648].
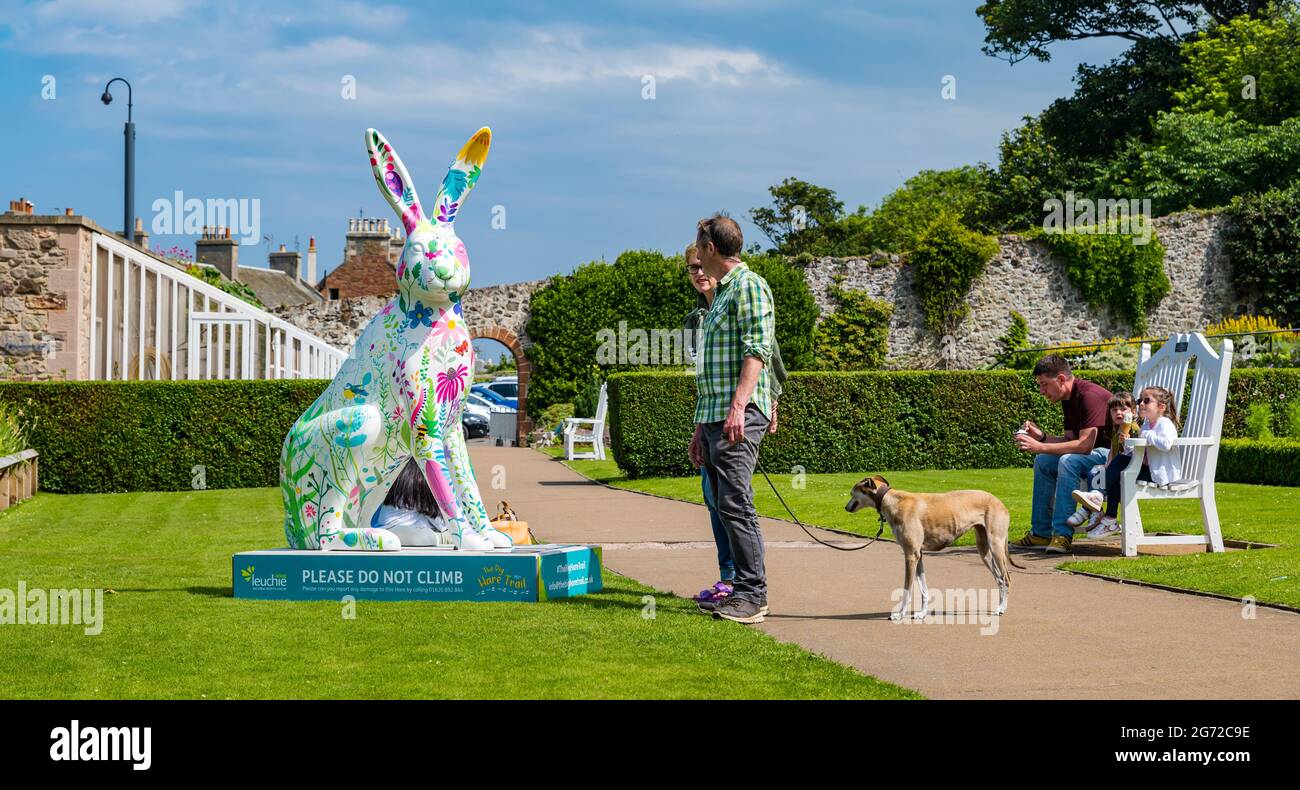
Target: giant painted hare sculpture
[399,395]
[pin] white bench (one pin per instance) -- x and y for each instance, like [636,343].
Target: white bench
[594,435]
[1198,438]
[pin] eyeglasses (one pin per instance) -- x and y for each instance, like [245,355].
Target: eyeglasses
[694,268]
[1147,400]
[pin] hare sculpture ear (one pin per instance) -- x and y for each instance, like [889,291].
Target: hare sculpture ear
[394,182]
[462,175]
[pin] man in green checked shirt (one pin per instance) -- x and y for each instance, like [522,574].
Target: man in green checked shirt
[733,406]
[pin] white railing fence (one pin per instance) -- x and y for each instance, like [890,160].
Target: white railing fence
[151,321]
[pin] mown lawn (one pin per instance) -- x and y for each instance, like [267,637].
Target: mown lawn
[1264,514]
[172,630]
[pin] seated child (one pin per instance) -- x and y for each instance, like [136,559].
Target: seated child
[1160,465]
[1121,407]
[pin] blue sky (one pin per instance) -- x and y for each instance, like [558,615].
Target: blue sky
[245,100]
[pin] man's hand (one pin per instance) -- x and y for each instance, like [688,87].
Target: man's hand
[696,451]
[734,427]
[1034,431]
[771,428]
[1028,444]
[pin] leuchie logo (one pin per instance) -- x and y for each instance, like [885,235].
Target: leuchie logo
[275,581]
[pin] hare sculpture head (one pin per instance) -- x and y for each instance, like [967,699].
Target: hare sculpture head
[434,261]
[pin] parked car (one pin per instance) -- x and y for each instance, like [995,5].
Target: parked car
[493,396]
[474,424]
[478,404]
[505,386]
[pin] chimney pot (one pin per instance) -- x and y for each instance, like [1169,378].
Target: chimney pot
[67,212]
[219,251]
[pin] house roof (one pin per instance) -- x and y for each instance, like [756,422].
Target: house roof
[274,288]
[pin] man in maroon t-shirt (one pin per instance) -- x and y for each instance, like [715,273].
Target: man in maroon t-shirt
[1063,460]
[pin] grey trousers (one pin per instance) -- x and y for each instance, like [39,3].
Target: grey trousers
[731,471]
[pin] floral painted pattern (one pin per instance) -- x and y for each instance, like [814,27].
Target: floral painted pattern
[451,383]
[400,394]
[420,315]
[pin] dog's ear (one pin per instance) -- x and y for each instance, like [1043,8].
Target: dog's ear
[866,484]
[879,482]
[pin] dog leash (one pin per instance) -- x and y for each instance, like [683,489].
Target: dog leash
[879,532]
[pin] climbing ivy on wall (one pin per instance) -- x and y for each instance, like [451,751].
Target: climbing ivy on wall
[856,335]
[1113,269]
[948,259]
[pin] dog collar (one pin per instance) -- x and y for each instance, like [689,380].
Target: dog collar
[879,494]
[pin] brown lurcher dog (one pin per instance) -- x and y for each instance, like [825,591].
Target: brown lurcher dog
[930,522]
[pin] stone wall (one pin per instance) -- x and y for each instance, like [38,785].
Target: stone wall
[499,312]
[1026,278]
[341,322]
[44,297]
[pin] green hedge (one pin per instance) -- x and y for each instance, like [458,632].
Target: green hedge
[1274,462]
[874,420]
[838,422]
[147,436]
[97,436]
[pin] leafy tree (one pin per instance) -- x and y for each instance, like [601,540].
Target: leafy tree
[1263,245]
[799,216]
[1030,171]
[1116,101]
[572,315]
[905,213]
[1204,160]
[1020,29]
[1249,67]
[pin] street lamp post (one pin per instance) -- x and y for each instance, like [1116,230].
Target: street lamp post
[128,212]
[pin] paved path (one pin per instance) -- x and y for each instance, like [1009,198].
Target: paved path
[1064,636]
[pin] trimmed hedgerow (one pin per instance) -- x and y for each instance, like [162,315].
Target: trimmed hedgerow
[860,421]
[837,421]
[102,436]
[106,436]
[1274,462]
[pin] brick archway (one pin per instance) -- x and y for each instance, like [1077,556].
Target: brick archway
[510,340]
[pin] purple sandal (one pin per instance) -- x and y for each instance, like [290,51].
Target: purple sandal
[717,592]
